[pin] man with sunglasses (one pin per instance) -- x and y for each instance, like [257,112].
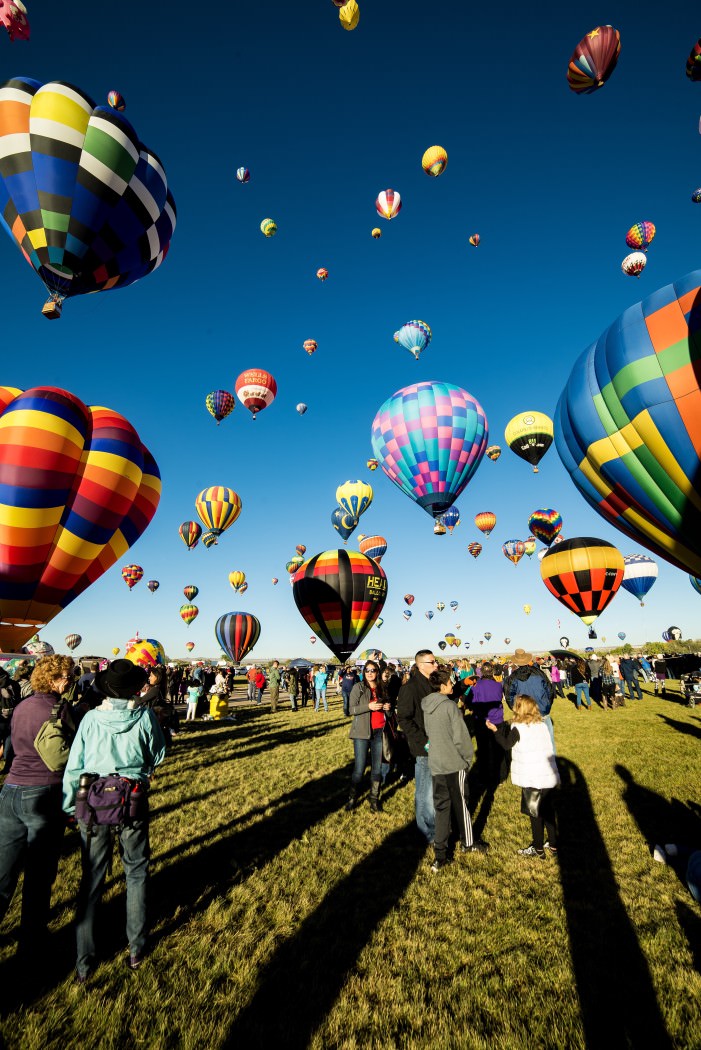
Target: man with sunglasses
[411,721]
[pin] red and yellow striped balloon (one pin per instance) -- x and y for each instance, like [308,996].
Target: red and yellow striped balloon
[218,508]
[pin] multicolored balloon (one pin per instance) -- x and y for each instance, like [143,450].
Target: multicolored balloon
[275,581]
[13,16]
[429,439]
[454,606]
[220,404]
[189,613]
[237,633]
[243,175]
[429,614]
[374,547]
[475,240]
[189,646]
[340,594]
[153,586]
[493,452]
[584,574]
[475,549]
[255,389]
[696,196]
[379,621]
[116,101]
[237,579]
[529,546]
[693,62]
[639,575]
[388,204]
[594,60]
[407,614]
[414,336]
[310,346]
[621,635]
[514,550]
[322,273]
[485,521]
[439,529]
[641,235]
[294,564]
[131,574]
[191,591]
[268,228]
[545,524]
[190,533]
[372,464]
[218,508]
[209,539]
[409,599]
[73,641]
[529,436]
[440,606]
[75,195]
[145,652]
[434,161]
[487,635]
[301,549]
[695,583]
[672,634]
[634,264]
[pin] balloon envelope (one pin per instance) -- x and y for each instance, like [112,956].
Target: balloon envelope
[191,591]
[434,161]
[237,633]
[146,652]
[354,497]
[639,575]
[584,574]
[220,403]
[414,336]
[485,521]
[255,389]
[218,507]
[374,547]
[530,435]
[545,524]
[190,533]
[594,60]
[73,641]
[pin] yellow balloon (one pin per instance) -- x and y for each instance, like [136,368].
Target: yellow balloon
[434,161]
[236,579]
[354,497]
[349,15]
[527,609]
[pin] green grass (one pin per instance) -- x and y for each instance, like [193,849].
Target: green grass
[280,920]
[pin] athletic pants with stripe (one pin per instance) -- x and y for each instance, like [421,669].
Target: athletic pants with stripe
[450,792]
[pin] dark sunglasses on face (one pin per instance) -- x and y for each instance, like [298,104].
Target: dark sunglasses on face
[370,670]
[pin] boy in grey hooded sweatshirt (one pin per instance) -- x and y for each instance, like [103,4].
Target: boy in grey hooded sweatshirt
[450,756]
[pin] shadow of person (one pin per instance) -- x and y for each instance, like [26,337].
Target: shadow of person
[309,970]
[658,819]
[617,998]
[690,922]
[682,727]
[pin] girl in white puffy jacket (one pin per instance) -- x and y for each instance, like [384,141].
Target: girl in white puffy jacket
[534,770]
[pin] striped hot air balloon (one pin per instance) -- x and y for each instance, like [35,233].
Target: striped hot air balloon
[584,574]
[73,641]
[191,591]
[209,539]
[475,549]
[220,404]
[237,579]
[189,613]
[116,100]
[639,575]
[594,60]
[190,533]
[374,547]
[131,574]
[268,228]
[485,521]
[434,161]
[310,346]
[237,633]
[218,508]
[388,204]
[243,175]
[189,646]
[493,452]
[354,497]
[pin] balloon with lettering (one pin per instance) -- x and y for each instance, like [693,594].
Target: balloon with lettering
[255,389]
[584,574]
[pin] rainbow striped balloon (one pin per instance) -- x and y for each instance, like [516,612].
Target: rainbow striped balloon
[77,489]
[237,633]
[430,439]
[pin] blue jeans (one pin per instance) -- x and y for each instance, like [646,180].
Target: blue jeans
[31,830]
[582,687]
[96,852]
[360,750]
[549,723]
[321,695]
[425,813]
[346,704]
[632,684]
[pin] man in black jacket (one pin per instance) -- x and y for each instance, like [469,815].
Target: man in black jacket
[411,722]
[529,679]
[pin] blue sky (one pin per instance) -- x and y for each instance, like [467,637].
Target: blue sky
[325,119]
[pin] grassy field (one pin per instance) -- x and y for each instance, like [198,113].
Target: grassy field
[280,920]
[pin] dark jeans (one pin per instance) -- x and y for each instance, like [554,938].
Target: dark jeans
[450,794]
[632,684]
[31,830]
[96,852]
[360,749]
[346,703]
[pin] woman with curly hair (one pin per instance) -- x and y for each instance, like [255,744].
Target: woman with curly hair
[31,819]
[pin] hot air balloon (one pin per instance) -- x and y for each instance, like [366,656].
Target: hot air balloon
[440,606]
[73,641]
[340,594]
[379,621]
[442,645]
[475,240]
[627,424]
[301,408]
[237,633]
[243,174]
[493,452]
[376,233]
[354,497]
[454,606]
[530,435]
[190,533]
[475,549]
[220,403]
[255,389]
[407,614]
[189,646]
[322,273]
[268,228]
[388,204]
[434,161]
[349,15]
[527,610]
[621,635]
[275,581]
[301,549]
[457,626]
[209,539]
[429,439]
[594,60]
[189,613]
[487,635]
[312,640]
[693,62]
[429,614]
[243,588]
[88,204]
[564,642]
[13,16]
[507,641]
[674,634]
[529,546]
[343,523]
[695,583]
[584,574]
[641,235]
[414,336]
[131,574]
[372,464]
[449,637]
[236,579]
[78,489]
[115,651]
[146,652]
[293,564]
[514,550]
[409,599]
[451,518]
[634,264]
[310,346]
[191,591]
[545,524]
[374,547]
[218,508]
[696,196]
[116,101]
[639,575]
[485,521]
[439,529]
[153,586]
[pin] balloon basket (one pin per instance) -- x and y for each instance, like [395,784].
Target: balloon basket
[52,309]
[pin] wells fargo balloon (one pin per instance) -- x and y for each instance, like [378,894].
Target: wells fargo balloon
[349,15]
[354,497]
[493,452]
[514,550]
[146,652]
[87,203]
[545,524]
[190,533]
[189,646]
[218,508]
[594,60]
[220,403]
[634,264]
[191,591]
[340,594]
[13,16]
[153,586]
[434,161]
[639,575]
[584,574]
[628,424]
[189,613]
[414,336]
[237,633]
[374,547]
[475,549]
[73,641]
[530,435]
[485,521]
[409,599]
[310,346]
[78,489]
[236,578]
[641,235]
[429,439]
[268,228]
[345,524]
[388,204]
[131,574]
[256,389]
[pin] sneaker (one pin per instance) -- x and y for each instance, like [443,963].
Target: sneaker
[135,961]
[476,847]
[438,864]
[553,849]
[659,855]
[531,851]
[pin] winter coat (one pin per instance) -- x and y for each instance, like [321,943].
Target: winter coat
[449,743]
[360,699]
[410,714]
[533,763]
[531,681]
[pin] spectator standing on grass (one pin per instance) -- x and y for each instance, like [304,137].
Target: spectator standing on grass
[320,681]
[193,692]
[659,667]
[274,677]
[556,677]
[526,677]
[304,685]
[370,709]
[578,677]
[293,687]
[487,705]
[411,722]
[251,678]
[348,678]
[259,683]
[630,677]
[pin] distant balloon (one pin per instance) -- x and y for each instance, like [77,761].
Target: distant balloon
[530,435]
[237,633]
[209,539]
[527,610]
[189,646]
[693,62]
[310,346]
[220,403]
[191,591]
[514,550]
[190,533]
[388,204]
[634,264]
[349,15]
[475,549]
[621,635]
[379,621]
[493,452]
[153,586]
[674,634]
[243,588]
[374,547]
[475,240]
[322,273]
[344,523]
[188,613]
[293,564]
[243,174]
[256,389]
[442,645]
[407,614]
[409,599]
[116,650]
[487,635]
[564,642]
[429,614]
[312,639]
[641,235]
[218,508]
[434,161]
[639,575]
[594,60]
[268,228]
[301,408]
[275,581]
[354,497]
[696,196]
[131,574]
[73,641]
[116,101]
[454,606]
[529,546]
[545,524]
[414,336]
[485,521]
[372,464]
[451,518]
[584,574]
[376,233]
[440,606]
[237,578]
[301,549]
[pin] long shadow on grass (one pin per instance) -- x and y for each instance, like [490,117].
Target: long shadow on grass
[260,744]
[300,984]
[616,995]
[658,819]
[682,727]
[691,925]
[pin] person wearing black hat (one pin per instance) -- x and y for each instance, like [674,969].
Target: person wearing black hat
[120,737]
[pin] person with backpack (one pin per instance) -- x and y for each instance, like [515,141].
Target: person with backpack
[116,750]
[528,678]
[31,820]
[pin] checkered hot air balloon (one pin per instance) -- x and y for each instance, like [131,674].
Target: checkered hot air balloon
[237,633]
[641,235]
[594,60]
[220,403]
[545,524]
[131,574]
[190,533]
[584,574]
[90,205]
[388,204]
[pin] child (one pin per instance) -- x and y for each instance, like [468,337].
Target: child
[193,693]
[533,769]
[449,759]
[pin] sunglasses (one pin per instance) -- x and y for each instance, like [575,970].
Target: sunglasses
[370,670]
[430,662]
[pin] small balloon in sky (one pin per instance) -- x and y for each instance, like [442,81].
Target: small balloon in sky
[322,273]
[268,228]
[434,161]
[388,204]
[243,174]
[349,15]
[634,264]
[376,233]
[116,101]
[475,239]
[301,408]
